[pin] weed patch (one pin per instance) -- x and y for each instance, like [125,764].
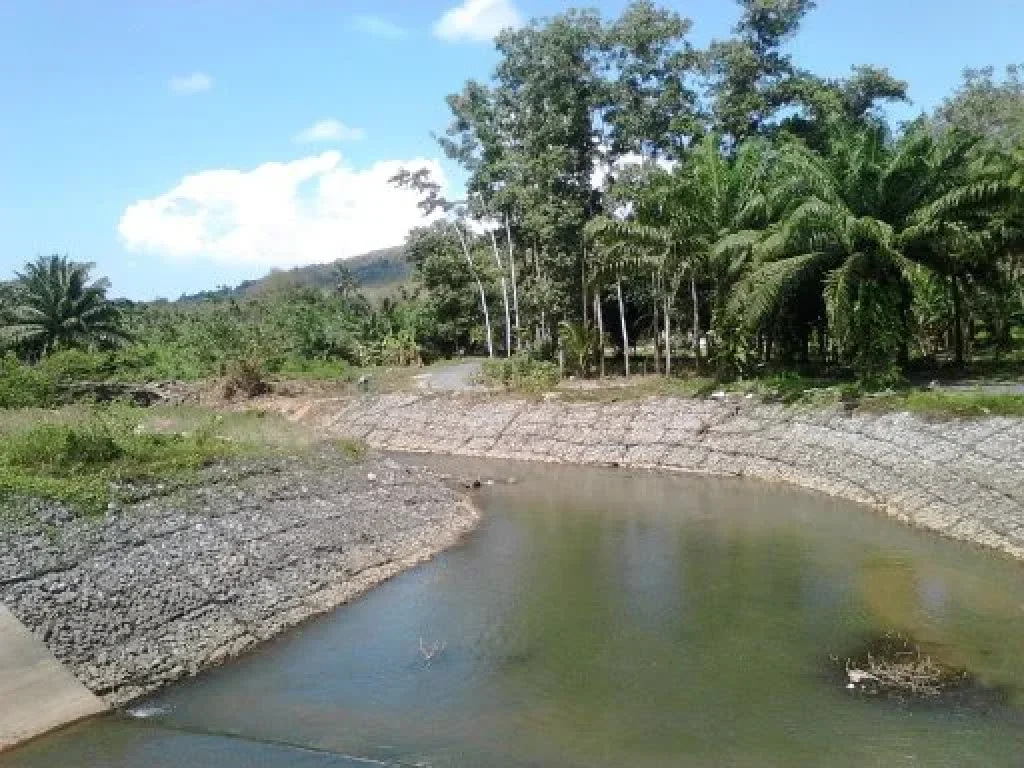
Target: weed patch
[86,458]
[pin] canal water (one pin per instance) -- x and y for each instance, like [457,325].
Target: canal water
[608,618]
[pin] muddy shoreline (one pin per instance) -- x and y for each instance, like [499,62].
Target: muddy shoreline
[178,583]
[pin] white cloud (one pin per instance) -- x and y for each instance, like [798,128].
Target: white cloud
[477,20]
[377,26]
[329,130]
[311,210]
[197,82]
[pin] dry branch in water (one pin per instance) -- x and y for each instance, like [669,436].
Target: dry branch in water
[892,664]
[434,650]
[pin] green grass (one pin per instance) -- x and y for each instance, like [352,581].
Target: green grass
[937,404]
[87,456]
[639,387]
[792,389]
[520,374]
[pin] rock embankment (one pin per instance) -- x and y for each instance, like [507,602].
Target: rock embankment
[178,583]
[964,479]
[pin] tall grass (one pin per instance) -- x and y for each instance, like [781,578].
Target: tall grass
[88,457]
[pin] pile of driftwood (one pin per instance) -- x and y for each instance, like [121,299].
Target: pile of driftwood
[892,664]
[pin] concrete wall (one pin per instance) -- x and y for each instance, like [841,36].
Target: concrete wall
[964,479]
[37,694]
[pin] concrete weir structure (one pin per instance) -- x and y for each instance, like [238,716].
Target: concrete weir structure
[37,693]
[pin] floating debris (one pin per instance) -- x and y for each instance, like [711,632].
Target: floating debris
[894,666]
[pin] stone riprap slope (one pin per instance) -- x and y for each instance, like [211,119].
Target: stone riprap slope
[181,582]
[964,479]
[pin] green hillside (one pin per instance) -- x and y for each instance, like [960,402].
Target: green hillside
[376,272]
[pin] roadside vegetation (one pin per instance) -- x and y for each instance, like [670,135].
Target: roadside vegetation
[639,210]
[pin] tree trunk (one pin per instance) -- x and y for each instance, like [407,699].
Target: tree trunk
[515,289]
[599,316]
[668,339]
[583,283]
[958,322]
[504,295]
[622,321]
[657,330]
[480,286]
[696,321]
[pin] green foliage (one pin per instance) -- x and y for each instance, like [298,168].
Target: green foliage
[55,306]
[521,373]
[580,342]
[986,106]
[24,386]
[86,462]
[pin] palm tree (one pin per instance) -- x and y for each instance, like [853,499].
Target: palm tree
[727,204]
[952,230]
[579,341]
[698,221]
[632,247]
[855,220]
[57,307]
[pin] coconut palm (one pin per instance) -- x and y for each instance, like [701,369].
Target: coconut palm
[57,307]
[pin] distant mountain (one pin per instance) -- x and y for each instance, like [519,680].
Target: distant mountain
[375,272]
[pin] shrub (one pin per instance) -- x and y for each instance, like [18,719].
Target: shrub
[74,365]
[85,462]
[25,386]
[522,373]
[245,376]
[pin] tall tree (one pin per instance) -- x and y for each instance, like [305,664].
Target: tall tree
[549,89]
[986,106]
[748,74]
[653,106]
[456,215]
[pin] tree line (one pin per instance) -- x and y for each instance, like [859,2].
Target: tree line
[723,204]
[717,210]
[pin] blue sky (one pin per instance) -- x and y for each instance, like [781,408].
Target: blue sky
[183,144]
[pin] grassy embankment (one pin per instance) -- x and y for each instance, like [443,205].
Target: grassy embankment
[92,456]
[539,380]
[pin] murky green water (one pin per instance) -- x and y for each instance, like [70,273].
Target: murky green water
[600,618]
